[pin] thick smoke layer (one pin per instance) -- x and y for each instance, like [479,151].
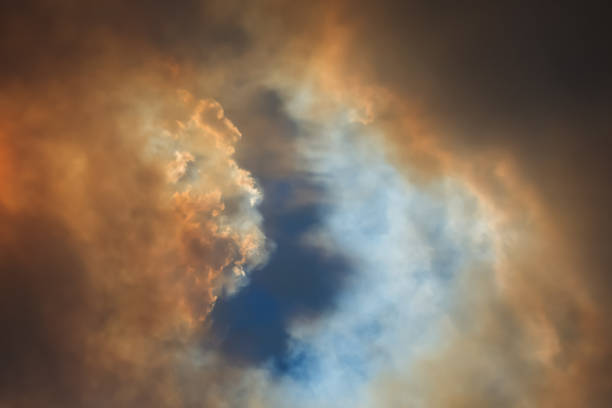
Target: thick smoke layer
[514,102]
[125,215]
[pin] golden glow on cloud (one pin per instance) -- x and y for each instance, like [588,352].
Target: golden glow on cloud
[157,220]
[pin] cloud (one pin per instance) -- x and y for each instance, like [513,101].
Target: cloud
[114,248]
[501,97]
[123,198]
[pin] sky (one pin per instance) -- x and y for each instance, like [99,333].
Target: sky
[326,204]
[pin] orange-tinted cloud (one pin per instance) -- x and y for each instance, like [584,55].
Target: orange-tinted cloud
[120,229]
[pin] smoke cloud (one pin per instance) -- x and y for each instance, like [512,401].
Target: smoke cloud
[460,156]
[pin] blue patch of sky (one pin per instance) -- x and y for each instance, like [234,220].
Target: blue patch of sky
[360,273]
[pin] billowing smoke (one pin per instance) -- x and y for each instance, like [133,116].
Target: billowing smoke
[439,175]
[124,217]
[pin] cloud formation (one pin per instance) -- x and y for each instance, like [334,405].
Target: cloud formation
[123,220]
[475,135]
[509,100]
